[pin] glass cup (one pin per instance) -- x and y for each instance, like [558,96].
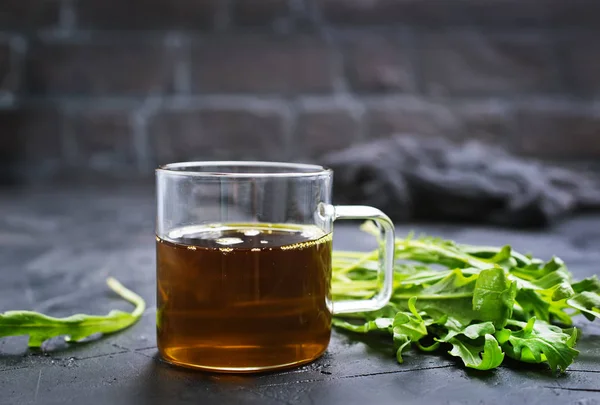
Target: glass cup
[244,264]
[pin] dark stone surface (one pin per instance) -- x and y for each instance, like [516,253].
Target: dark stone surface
[57,247]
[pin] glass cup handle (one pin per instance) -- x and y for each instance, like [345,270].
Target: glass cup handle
[386,258]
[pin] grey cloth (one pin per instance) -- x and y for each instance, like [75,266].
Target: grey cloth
[432,179]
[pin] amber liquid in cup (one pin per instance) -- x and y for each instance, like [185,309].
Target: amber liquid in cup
[244,297]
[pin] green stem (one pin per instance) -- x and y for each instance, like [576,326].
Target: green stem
[347,253]
[365,258]
[125,293]
[473,262]
[432,297]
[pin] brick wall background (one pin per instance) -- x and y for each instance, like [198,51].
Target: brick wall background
[111,88]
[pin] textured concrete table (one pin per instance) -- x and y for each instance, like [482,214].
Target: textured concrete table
[58,247]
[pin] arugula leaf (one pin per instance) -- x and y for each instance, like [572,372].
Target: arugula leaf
[40,327]
[481,357]
[492,253]
[410,324]
[591,284]
[484,357]
[537,269]
[439,251]
[494,296]
[588,303]
[538,342]
[408,327]
[472,331]
[453,294]
[552,277]
[533,305]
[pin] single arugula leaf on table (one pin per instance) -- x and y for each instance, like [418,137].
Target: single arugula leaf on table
[41,327]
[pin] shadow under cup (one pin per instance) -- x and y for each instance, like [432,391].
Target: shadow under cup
[244,264]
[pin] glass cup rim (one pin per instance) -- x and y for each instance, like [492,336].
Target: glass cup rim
[286,169]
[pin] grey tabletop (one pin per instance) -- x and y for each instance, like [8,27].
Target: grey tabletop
[57,248]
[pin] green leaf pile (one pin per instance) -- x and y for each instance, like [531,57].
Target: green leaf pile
[481,304]
[40,327]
